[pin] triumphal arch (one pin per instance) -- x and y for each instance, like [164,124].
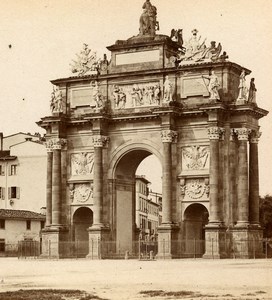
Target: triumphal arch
[183,102]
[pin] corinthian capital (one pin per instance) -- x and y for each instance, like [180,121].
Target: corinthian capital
[55,144]
[100,140]
[242,133]
[169,136]
[254,138]
[215,133]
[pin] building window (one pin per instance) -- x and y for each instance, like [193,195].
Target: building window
[2,193]
[42,224]
[14,192]
[13,169]
[28,224]
[2,224]
[2,245]
[2,170]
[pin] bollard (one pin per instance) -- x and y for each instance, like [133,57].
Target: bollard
[151,255]
[126,254]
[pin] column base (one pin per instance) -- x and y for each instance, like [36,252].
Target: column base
[167,241]
[98,235]
[215,241]
[53,242]
[247,241]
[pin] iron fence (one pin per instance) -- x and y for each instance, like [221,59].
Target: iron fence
[142,250]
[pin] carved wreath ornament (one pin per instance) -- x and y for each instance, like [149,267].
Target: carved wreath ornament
[195,189]
[82,193]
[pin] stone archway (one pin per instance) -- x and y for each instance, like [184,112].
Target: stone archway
[82,220]
[195,219]
[126,231]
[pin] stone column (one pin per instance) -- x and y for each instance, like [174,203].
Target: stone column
[232,178]
[98,232]
[167,231]
[56,181]
[99,141]
[49,187]
[242,187]
[214,134]
[254,180]
[215,231]
[168,136]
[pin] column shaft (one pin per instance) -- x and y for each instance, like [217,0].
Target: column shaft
[49,189]
[232,177]
[214,182]
[242,190]
[98,185]
[56,187]
[253,184]
[167,183]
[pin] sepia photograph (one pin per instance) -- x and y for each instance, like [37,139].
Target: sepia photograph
[135,158]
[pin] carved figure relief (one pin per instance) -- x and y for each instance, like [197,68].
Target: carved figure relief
[136,95]
[168,90]
[195,189]
[242,87]
[119,97]
[213,86]
[81,192]
[195,158]
[96,95]
[82,163]
[176,36]
[195,50]
[56,104]
[86,62]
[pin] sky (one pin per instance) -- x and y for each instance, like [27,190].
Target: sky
[40,38]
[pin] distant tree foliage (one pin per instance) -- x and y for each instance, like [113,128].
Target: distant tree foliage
[266,215]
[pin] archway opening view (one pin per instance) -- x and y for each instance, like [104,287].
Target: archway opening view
[137,207]
[148,197]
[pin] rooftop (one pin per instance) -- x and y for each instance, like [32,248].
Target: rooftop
[20,214]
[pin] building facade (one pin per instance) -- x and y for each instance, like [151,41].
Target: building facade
[189,107]
[23,176]
[17,226]
[147,208]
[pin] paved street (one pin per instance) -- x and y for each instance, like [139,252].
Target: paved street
[125,279]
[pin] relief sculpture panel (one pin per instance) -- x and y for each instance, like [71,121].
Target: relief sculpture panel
[195,158]
[82,163]
[136,95]
[81,193]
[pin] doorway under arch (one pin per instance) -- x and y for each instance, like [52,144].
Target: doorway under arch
[127,233]
[196,217]
[82,220]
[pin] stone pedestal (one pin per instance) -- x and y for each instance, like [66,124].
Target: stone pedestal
[215,242]
[99,242]
[53,242]
[167,241]
[247,242]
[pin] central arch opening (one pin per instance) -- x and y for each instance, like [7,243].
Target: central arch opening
[136,212]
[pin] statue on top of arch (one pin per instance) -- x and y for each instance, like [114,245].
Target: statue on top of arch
[86,62]
[148,19]
[196,50]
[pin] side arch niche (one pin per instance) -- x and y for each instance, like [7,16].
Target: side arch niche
[82,220]
[196,217]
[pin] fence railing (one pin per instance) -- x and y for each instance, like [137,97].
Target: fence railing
[143,250]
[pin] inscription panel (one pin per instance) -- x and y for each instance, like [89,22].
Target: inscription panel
[193,86]
[137,57]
